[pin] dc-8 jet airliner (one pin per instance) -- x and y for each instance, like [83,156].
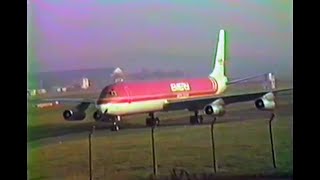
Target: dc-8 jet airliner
[196,95]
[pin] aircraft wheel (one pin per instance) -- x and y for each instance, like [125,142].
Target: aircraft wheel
[157,122]
[200,118]
[152,122]
[115,128]
[196,119]
[193,120]
[149,122]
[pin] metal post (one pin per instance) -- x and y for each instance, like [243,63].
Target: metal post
[271,140]
[213,147]
[90,156]
[155,167]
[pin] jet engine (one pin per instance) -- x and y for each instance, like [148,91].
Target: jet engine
[73,115]
[266,102]
[215,108]
[97,116]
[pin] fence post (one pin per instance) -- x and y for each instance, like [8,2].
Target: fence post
[90,152]
[213,146]
[271,140]
[154,160]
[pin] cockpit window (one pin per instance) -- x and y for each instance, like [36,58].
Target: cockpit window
[108,92]
[112,93]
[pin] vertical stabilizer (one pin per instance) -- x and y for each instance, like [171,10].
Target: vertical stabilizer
[218,72]
[219,59]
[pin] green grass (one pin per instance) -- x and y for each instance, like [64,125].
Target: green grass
[242,148]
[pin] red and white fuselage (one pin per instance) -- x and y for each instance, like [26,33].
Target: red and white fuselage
[126,98]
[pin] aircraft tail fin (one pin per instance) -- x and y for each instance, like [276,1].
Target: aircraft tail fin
[218,71]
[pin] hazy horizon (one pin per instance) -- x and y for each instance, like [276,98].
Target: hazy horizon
[71,35]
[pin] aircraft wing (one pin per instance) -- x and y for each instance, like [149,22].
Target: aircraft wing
[246,78]
[81,103]
[200,103]
[70,100]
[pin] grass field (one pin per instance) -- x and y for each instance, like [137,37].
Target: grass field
[242,147]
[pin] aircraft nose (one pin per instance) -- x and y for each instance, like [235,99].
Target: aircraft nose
[99,102]
[102,109]
[98,105]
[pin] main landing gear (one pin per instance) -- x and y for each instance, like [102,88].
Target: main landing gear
[99,116]
[115,126]
[152,121]
[196,119]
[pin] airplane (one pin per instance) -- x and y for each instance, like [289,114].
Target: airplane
[197,94]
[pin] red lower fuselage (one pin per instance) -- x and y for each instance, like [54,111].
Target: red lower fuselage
[137,97]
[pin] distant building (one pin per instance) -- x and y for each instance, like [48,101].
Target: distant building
[85,83]
[59,89]
[41,91]
[270,81]
[117,75]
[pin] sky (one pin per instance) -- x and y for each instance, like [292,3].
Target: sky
[160,34]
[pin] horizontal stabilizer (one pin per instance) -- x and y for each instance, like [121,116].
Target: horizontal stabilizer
[235,81]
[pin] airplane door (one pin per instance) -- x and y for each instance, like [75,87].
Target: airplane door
[128,93]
